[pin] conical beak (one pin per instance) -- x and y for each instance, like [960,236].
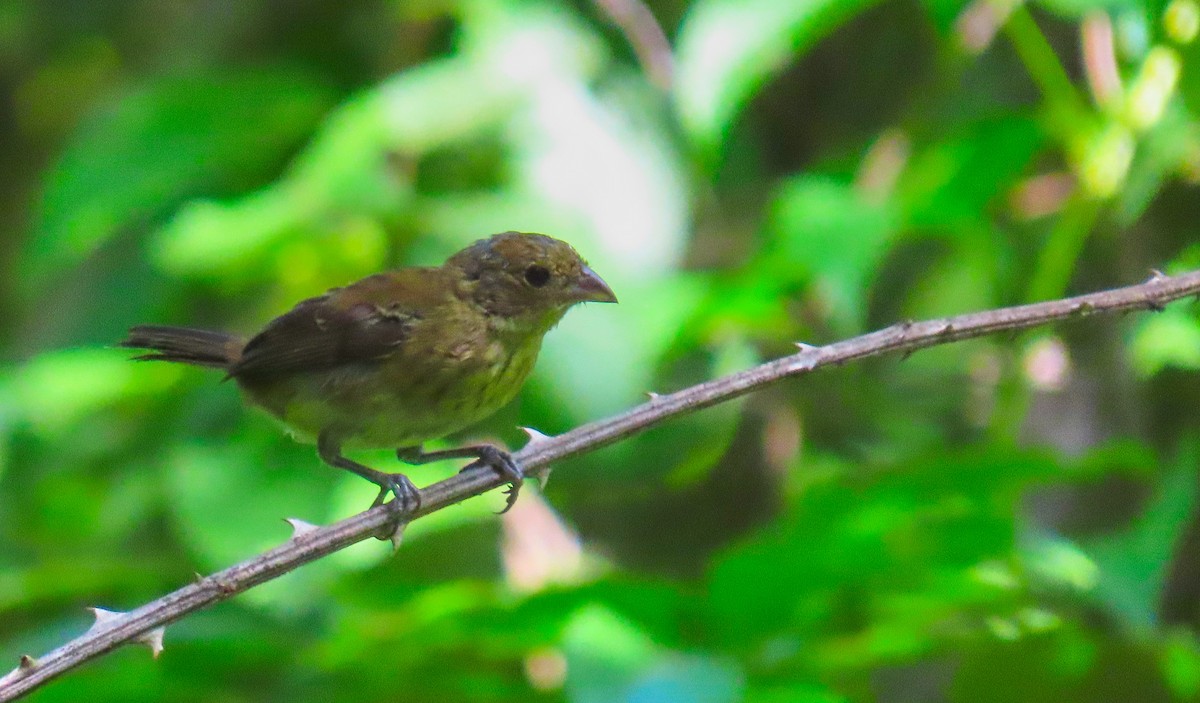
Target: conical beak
[592,289]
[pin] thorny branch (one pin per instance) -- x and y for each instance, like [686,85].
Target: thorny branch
[309,542]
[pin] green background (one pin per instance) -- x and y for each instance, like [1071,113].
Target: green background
[1008,519]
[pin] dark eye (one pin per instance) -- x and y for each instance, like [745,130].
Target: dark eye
[537,276]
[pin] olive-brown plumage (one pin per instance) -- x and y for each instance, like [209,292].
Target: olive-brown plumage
[401,357]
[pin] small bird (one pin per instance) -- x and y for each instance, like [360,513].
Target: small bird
[402,357]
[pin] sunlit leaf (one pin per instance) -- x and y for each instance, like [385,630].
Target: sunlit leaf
[1077,8]
[129,164]
[1181,664]
[1170,339]
[57,389]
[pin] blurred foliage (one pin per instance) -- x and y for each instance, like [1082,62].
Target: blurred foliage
[1011,518]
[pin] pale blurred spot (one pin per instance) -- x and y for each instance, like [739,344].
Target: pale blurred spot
[882,166]
[546,669]
[1047,364]
[1182,21]
[1100,58]
[1003,628]
[1061,562]
[590,159]
[595,155]
[535,47]
[1041,196]
[1153,88]
[1038,620]
[539,549]
[980,21]
[984,370]
[781,439]
[1106,160]
[1133,35]
[996,574]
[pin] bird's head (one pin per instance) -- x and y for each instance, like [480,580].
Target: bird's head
[529,280]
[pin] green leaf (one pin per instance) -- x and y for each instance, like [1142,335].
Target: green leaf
[729,48]
[945,14]
[1170,339]
[795,693]
[610,659]
[822,229]
[962,279]
[1078,8]
[229,501]
[56,390]
[133,162]
[951,182]
[1133,564]
[1181,665]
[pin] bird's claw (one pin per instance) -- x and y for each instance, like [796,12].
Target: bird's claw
[510,496]
[407,496]
[406,501]
[502,463]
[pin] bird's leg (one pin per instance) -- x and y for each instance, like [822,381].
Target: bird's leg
[483,454]
[408,498]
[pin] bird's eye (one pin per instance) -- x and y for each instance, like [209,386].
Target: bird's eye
[537,276]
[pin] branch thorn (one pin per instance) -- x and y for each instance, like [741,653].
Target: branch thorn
[154,640]
[397,535]
[299,527]
[27,663]
[535,436]
[104,618]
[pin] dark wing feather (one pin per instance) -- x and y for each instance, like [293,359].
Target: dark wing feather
[345,326]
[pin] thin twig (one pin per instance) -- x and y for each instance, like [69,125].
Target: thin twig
[644,34]
[309,543]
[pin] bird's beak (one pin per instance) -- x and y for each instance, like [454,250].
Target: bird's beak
[590,288]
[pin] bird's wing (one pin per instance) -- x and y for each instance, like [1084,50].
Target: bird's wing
[364,322]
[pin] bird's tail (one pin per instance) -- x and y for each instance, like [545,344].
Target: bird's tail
[186,346]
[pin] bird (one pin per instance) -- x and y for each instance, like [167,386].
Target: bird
[402,357]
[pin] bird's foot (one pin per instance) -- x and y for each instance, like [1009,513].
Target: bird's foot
[484,455]
[502,463]
[407,497]
[406,500]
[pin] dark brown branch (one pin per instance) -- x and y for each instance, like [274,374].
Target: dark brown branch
[307,545]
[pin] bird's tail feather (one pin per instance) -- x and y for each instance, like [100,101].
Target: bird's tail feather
[183,345]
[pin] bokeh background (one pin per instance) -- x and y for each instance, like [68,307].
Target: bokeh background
[1012,518]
